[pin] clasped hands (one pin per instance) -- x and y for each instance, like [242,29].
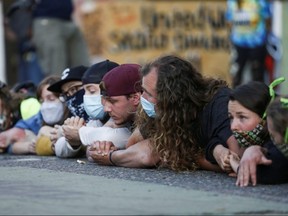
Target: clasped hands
[70,130]
[245,169]
[226,159]
[99,151]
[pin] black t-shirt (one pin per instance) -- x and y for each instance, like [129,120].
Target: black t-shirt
[215,123]
[275,173]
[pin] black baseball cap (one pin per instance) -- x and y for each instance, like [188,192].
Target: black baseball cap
[95,73]
[69,74]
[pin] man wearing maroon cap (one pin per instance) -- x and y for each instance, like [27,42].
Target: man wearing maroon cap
[121,91]
[79,135]
[94,130]
[183,123]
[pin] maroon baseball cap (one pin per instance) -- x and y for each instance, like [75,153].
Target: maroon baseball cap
[124,79]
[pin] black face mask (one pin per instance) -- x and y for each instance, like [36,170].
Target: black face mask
[76,106]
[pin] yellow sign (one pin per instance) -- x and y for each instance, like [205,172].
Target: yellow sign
[138,31]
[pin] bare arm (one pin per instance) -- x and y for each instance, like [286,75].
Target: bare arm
[206,165]
[134,138]
[10,136]
[26,145]
[139,155]
[234,146]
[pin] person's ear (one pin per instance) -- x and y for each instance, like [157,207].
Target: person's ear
[135,98]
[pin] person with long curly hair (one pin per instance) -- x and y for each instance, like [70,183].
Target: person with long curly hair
[183,123]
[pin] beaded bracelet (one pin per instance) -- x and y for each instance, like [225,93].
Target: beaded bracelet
[110,157]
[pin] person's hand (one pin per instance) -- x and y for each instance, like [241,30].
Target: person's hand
[253,156]
[99,152]
[71,130]
[10,136]
[24,147]
[75,121]
[221,155]
[56,133]
[234,161]
[45,131]
[32,146]
[4,141]
[71,134]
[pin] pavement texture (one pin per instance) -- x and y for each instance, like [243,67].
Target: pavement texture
[34,185]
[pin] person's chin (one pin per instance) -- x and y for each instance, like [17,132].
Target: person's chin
[118,122]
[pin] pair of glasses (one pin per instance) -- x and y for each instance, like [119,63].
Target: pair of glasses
[70,92]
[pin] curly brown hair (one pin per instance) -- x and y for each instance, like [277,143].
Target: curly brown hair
[182,92]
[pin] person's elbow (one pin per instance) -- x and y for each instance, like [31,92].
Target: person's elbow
[148,159]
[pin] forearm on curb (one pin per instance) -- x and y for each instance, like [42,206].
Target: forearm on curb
[217,151]
[139,155]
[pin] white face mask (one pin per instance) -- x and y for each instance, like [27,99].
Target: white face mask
[52,112]
[93,106]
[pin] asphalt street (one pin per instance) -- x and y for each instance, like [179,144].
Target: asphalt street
[34,185]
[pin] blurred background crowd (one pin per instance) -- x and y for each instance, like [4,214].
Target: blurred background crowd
[134,31]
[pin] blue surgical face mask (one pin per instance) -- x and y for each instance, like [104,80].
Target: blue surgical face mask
[93,106]
[148,107]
